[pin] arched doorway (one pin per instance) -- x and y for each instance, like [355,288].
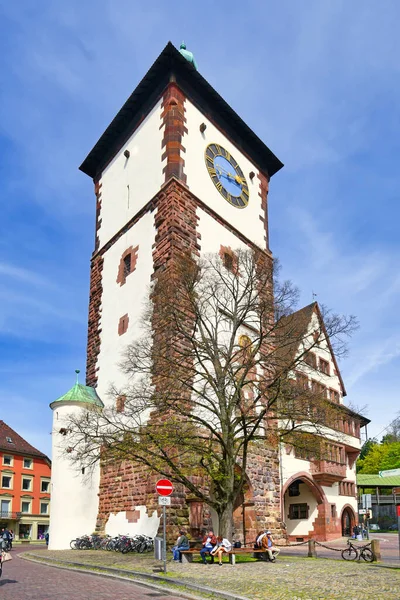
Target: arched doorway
[304,508]
[348,521]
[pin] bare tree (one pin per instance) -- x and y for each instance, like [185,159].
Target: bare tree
[213,377]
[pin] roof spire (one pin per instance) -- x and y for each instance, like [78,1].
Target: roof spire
[77,371]
[188,55]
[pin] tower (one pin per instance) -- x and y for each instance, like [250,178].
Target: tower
[176,170]
[75,492]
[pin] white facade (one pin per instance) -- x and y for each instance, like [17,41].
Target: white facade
[295,468]
[118,300]
[129,183]
[74,494]
[246,220]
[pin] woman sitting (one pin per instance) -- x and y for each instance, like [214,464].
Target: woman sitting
[222,545]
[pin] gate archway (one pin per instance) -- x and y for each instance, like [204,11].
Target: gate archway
[348,520]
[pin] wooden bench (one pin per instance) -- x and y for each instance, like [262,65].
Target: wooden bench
[187,555]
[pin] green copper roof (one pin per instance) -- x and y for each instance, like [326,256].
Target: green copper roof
[367,480]
[188,55]
[80,393]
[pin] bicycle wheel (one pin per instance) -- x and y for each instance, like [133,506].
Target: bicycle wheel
[73,544]
[367,555]
[350,554]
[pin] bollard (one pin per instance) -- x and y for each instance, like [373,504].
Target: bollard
[312,553]
[376,549]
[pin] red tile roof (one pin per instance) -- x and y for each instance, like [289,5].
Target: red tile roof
[17,445]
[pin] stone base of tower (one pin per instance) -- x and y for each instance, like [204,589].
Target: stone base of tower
[128,502]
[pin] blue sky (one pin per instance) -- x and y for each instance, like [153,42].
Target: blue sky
[318,81]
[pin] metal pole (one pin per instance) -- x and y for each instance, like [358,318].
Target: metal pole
[398,527]
[164,539]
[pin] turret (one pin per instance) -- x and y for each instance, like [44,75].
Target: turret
[74,492]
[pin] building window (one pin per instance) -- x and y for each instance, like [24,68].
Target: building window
[127,265]
[229,259]
[324,366]
[25,506]
[302,381]
[294,488]
[310,359]
[28,463]
[44,486]
[27,484]
[334,395]
[44,508]
[9,440]
[6,482]
[7,460]
[120,404]
[298,511]
[333,511]
[347,488]
[5,506]
[123,325]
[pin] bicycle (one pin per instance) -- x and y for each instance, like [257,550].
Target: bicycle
[353,552]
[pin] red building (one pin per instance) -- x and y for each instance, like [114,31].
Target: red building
[24,486]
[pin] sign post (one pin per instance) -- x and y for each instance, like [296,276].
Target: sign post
[398,523]
[164,489]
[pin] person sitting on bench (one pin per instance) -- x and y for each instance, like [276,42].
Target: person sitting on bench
[209,541]
[222,545]
[268,543]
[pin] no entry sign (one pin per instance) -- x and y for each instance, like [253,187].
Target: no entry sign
[164,487]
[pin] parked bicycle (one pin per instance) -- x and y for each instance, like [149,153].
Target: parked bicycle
[353,552]
[119,543]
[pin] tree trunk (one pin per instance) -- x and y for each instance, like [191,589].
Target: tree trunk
[226,521]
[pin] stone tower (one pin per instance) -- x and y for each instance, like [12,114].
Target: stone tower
[176,170]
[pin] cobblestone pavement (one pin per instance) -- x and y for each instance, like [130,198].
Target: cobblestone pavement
[290,578]
[25,580]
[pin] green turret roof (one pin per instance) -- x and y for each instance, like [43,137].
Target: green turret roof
[80,393]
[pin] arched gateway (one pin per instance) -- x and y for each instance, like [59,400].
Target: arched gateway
[306,510]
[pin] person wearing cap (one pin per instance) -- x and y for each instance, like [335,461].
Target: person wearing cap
[268,544]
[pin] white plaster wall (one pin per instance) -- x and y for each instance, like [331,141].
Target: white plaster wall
[322,351]
[246,220]
[214,235]
[119,300]
[301,527]
[146,524]
[74,499]
[142,172]
[292,465]
[332,495]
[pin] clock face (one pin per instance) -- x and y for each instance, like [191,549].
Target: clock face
[227,176]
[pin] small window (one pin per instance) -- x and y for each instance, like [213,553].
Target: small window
[294,488]
[228,261]
[25,506]
[324,366]
[298,511]
[311,360]
[334,396]
[333,511]
[44,487]
[9,440]
[28,463]
[26,484]
[7,460]
[127,264]
[44,508]
[120,404]
[6,482]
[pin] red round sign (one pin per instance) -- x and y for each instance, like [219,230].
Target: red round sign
[164,487]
